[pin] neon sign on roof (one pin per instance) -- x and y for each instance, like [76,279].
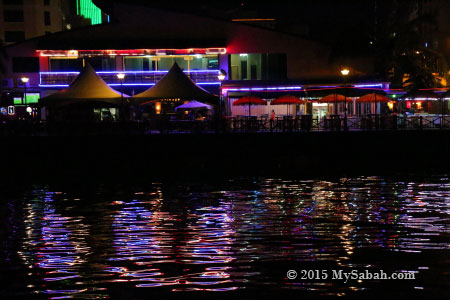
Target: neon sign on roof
[132,52]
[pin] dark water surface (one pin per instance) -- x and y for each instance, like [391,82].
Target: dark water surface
[236,237]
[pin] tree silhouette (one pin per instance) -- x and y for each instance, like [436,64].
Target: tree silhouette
[401,47]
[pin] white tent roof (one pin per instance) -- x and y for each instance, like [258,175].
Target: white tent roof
[88,87]
[194,104]
[174,85]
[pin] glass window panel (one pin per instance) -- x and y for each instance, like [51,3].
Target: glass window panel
[102,63]
[65,65]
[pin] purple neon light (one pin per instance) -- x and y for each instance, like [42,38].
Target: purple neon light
[380,85]
[263,88]
[125,84]
[129,72]
[368,85]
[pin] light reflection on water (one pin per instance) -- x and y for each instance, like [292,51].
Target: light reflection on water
[239,235]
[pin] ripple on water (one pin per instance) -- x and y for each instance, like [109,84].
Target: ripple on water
[243,234]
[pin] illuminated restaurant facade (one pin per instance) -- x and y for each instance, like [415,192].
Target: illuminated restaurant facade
[143,43]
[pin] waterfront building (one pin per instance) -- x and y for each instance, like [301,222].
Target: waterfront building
[143,43]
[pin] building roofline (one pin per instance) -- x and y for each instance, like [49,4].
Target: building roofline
[211,18]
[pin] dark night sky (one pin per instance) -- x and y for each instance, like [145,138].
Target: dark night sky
[344,24]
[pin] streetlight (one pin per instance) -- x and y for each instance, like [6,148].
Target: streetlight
[24,81]
[222,75]
[345,73]
[121,77]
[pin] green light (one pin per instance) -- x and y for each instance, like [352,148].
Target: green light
[88,10]
[32,98]
[29,99]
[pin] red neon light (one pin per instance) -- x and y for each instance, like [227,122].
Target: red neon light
[131,52]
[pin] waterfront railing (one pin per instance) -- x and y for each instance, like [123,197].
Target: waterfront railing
[239,124]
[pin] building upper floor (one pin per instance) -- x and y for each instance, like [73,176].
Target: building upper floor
[143,43]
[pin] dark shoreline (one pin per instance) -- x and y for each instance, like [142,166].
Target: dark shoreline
[299,154]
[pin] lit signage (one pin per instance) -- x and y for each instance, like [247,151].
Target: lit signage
[216,51]
[131,52]
[11,110]
[3,111]
[88,10]
[57,53]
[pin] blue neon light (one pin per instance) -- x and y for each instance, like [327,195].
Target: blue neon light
[124,84]
[278,88]
[130,72]
[380,85]
[368,85]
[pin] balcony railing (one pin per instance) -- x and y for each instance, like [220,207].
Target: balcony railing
[144,78]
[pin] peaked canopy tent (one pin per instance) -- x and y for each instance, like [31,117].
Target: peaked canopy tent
[174,86]
[77,103]
[88,89]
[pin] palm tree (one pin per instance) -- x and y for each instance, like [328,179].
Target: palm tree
[400,48]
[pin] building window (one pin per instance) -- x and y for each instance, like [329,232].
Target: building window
[65,65]
[164,63]
[25,64]
[12,2]
[47,19]
[139,63]
[13,15]
[46,2]
[73,64]
[102,63]
[14,36]
[258,66]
